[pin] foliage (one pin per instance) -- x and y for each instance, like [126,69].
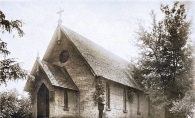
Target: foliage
[99,89]
[9,68]
[166,68]
[185,105]
[130,95]
[12,106]
[9,26]
[25,108]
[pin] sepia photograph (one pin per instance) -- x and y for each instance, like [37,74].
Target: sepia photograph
[97,59]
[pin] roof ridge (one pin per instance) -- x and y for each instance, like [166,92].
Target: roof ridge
[102,61]
[96,44]
[55,79]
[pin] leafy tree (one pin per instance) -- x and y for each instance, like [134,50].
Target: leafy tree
[165,68]
[13,107]
[9,68]
[25,108]
[8,104]
[186,105]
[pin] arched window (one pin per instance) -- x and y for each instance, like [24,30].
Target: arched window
[124,101]
[107,96]
[65,100]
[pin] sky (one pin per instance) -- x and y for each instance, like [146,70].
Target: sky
[109,23]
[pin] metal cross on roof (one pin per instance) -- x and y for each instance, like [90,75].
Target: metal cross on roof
[59,12]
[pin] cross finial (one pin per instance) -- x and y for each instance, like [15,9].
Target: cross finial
[59,12]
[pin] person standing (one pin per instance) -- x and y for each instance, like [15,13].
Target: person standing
[101,104]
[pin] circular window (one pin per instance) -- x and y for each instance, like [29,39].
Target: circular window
[64,55]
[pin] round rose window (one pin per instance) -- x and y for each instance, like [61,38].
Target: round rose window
[64,55]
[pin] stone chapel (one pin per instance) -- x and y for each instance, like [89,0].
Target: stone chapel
[71,74]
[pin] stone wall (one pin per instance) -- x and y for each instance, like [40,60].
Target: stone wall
[57,107]
[83,104]
[81,74]
[39,80]
[116,103]
[56,101]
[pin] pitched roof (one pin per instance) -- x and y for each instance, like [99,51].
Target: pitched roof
[102,62]
[58,76]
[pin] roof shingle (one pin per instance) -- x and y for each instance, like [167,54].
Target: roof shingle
[58,76]
[103,62]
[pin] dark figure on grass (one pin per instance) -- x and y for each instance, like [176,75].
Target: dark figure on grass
[101,104]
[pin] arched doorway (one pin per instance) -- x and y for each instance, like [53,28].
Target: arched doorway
[43,102]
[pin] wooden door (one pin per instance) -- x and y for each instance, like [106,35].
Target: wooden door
[43,102]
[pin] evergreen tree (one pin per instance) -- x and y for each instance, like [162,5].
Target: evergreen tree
[165,68]
[9,68]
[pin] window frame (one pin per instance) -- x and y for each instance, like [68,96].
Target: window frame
[66,100]
[138,104]
[107,96]
[124,100]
